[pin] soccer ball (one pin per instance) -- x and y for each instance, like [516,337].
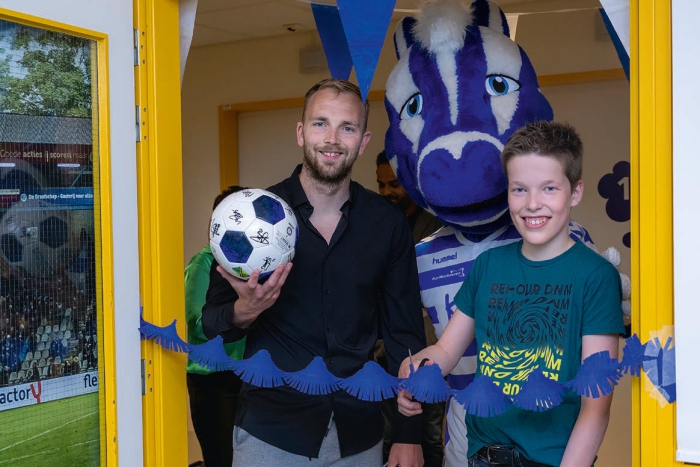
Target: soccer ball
[36,238]
[252,229]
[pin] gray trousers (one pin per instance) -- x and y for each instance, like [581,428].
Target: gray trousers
[249,451]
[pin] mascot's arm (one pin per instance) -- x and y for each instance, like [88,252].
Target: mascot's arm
[612,255]
[593,418]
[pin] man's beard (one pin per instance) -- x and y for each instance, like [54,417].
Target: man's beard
[326,174]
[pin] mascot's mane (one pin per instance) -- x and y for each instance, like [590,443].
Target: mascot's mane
[459,90]
[442,25]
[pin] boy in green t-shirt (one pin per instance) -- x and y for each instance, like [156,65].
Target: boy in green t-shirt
[546,302]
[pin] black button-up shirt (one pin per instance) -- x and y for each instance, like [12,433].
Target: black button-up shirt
[329,307]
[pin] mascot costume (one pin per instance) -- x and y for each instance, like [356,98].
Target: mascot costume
[460,88]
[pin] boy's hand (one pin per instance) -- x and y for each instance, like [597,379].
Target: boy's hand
[407,405]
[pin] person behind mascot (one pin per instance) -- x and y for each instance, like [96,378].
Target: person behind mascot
[460,89]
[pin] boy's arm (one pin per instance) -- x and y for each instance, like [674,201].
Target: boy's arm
[446,353]
[592,421]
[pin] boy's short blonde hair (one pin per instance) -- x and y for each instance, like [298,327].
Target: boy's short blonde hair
[550,139]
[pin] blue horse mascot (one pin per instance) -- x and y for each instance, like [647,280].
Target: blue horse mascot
[460,88]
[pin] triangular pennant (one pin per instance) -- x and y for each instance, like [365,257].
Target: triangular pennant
[365,24]
[618,13]
[335,46]
[622,52]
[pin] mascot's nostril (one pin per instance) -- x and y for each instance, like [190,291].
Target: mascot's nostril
[449,182]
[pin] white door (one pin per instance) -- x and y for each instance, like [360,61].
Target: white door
[68,202]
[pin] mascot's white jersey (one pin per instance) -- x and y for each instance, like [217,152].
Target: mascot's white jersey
[444,260]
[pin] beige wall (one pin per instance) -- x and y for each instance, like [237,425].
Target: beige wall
[268,69]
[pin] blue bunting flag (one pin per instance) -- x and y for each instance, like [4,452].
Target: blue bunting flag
[426,384]
[315,379]
[166,337]
[597,376]
[365,24]
[335,45]
[211,355]
[483,398]
[539,394]
[260,370]
[632,356]
[371,383]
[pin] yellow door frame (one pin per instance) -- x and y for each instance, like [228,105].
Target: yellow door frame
[653,423]
[161,244]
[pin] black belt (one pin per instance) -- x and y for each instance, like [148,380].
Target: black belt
[506,455]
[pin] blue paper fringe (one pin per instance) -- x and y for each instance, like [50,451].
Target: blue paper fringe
[314,380]
[632,356]
[427,384]
[166,337]
[598,375]
[260,370]
[212,356]
[371,383]
[539,394]
[483,398]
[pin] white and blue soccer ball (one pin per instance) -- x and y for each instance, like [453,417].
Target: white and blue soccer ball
[252,229]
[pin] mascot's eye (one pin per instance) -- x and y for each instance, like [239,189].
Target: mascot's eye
[500,85]
[413,106]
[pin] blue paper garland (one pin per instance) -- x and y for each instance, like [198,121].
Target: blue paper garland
[597,376]
[314,380]
[212,355]
[371,383]
[539,394]
[426,384]
[483,398]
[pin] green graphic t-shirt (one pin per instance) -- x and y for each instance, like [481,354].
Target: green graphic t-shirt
[532,314]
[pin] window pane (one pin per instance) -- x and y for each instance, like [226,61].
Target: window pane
[50,307]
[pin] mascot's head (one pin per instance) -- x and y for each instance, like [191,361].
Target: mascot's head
[461,87]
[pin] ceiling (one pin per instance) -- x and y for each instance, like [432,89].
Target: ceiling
[220,21]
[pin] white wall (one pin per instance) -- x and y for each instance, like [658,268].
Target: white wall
[267,69]
[600,113]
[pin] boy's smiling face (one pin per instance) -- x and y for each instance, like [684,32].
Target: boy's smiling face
[540,198]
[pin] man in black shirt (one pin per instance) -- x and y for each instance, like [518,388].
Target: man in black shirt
[352,248]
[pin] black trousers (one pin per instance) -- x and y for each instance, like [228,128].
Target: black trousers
[213,400]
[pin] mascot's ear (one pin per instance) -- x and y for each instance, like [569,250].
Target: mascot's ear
[403,37]
[490,15]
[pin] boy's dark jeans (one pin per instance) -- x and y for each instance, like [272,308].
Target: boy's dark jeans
[501,456]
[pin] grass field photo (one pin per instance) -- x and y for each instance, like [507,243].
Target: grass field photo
[65,432]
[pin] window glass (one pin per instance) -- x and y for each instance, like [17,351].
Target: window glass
[50,313]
